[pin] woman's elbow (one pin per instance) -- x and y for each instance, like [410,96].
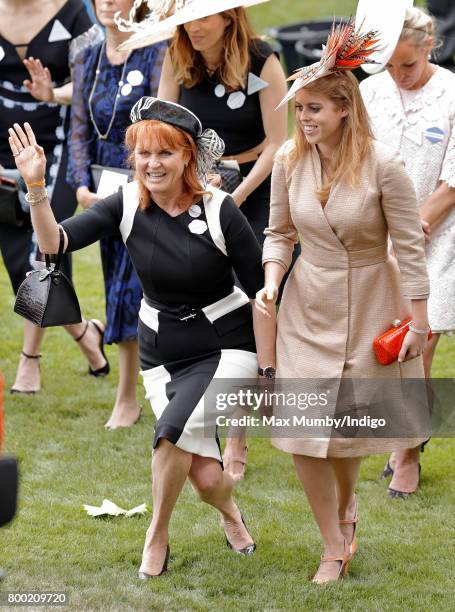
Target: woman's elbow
[49,247]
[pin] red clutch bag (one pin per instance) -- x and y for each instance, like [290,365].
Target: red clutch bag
[387,346]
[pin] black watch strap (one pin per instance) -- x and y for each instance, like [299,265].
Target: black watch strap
[267,372]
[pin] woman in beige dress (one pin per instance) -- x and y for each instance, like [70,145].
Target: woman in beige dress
[344,194]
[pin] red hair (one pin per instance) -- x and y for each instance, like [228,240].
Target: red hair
[148,132]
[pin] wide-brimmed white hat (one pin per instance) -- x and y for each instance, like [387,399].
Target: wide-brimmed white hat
[166,15]
[387,18]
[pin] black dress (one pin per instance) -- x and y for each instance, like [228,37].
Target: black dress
[194,325]
[237,118]
[49,122]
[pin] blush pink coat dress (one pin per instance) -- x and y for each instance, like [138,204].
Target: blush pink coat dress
[346,287]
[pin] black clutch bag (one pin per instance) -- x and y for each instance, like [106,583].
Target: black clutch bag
[9,482]
[13,207]
[46,297]
[231,177]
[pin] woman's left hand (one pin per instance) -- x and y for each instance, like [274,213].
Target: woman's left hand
[28,155]
[40,86]
[413,346]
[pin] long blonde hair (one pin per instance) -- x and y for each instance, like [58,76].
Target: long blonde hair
[238,36]
[356,140]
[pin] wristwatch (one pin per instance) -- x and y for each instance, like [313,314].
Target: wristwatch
[267,372]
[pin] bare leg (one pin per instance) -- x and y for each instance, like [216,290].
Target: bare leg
[235,452]
[126,410]
[405,463]
[346,476]
[170,468]
[28,379]
[215,488]
[317,477]
[428,355]
[89,343]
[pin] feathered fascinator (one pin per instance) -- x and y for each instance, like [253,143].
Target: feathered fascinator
[346,49]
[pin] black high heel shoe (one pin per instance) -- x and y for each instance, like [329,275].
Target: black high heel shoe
[144,576]
[105,369]
[387,471]
[25,391]
[248,550]
[395,494]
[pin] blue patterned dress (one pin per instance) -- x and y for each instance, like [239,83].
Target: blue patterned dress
[141,78]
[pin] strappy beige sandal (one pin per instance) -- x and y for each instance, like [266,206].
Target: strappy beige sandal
[344,565]
[353,521]
[228,465]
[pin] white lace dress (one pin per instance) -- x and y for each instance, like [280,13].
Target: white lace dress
[420,126]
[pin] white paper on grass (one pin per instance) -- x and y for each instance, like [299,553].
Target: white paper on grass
[108,508]
[110,182]
[142,509]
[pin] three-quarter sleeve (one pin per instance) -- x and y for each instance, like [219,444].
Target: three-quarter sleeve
[82,135]
[281,235]
[101,220]
[448,165]
[399,204]
[242,247]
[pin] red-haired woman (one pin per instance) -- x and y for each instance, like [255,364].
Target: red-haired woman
[194,325]
[220,69]
[344,194]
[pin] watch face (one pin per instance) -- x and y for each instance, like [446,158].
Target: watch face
[269,372]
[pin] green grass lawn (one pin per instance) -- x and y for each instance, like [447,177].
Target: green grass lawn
[406,549]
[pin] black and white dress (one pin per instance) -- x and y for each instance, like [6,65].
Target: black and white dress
[194,325]
[49,121]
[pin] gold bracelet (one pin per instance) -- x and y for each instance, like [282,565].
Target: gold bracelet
[41,183]
[36,197]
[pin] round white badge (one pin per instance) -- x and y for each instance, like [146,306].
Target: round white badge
[126,89]
[194,210]
[135,77]
[236,100]
[197,226]
[220,90]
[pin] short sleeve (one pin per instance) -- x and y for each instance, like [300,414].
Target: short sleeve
[82,22]
[399,204]
[281,235]
[242,247]
[260,51]
[91,38]
[101,220]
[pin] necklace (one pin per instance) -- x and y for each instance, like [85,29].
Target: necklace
[117,96]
